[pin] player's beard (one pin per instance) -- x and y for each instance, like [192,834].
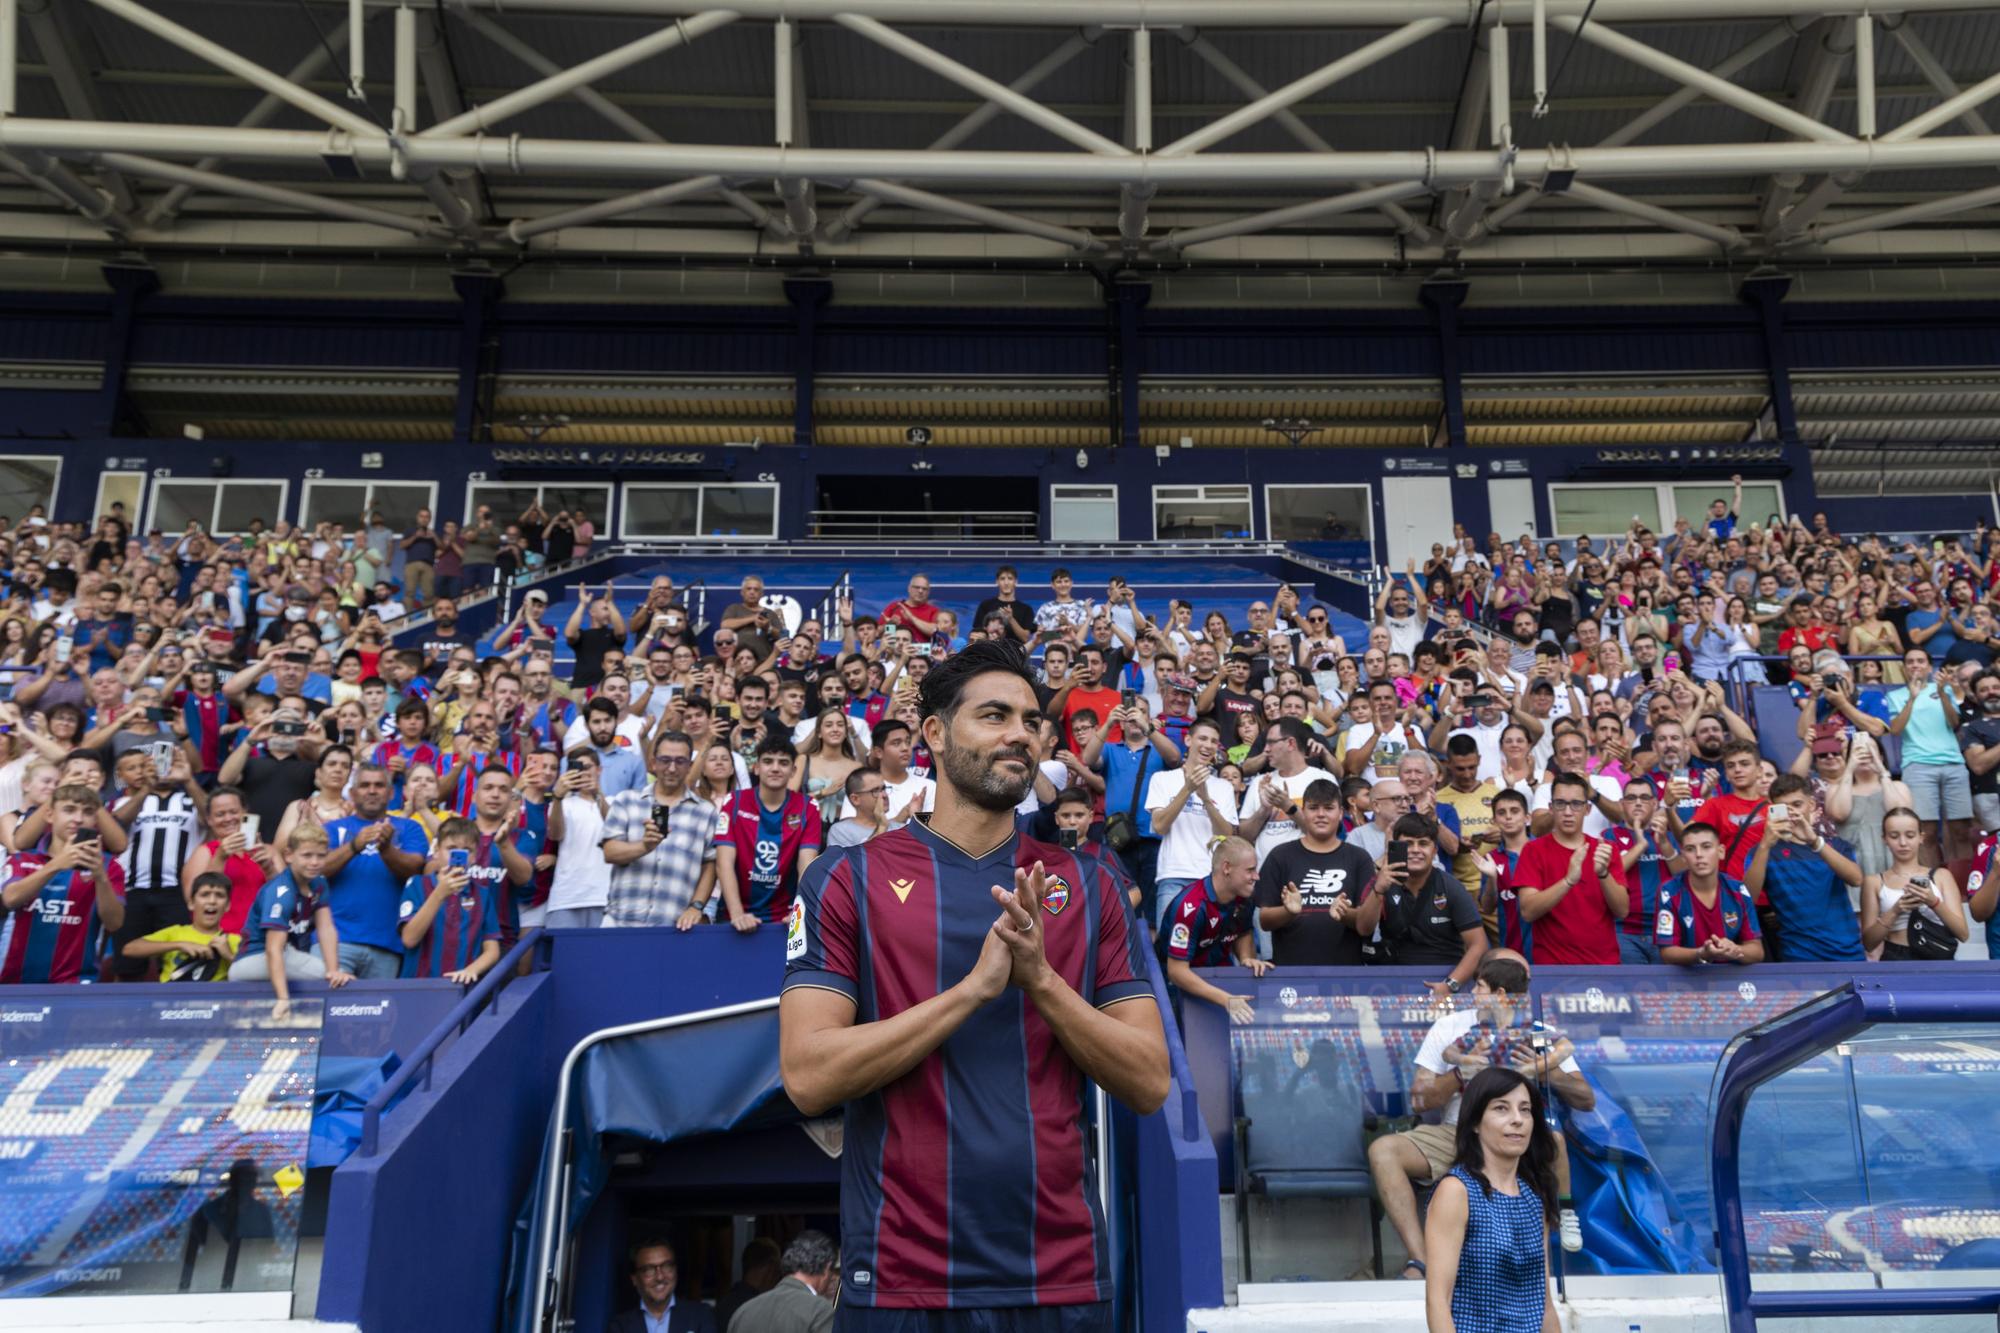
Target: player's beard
[977,777]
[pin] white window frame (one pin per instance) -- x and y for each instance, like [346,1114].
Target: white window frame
[55,486]
[541,490]
[1664,491]
[1059,494]
[701,489]
[283,484]
[370,483]
[1367,506]
[1203,489]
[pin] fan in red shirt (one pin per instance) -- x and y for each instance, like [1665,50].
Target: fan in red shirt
[914,611]
[1566,885]
[1085,689]
[1742,765]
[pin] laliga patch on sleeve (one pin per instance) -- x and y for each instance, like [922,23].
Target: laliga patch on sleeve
[1179,939]
[795,934]
[1665,925]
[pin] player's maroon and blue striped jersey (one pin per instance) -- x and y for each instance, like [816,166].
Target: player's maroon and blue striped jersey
[1201,930]
[490,873]
[965,1182]
[1698,790]
[870,708]
[1975,880]
[55,936]
[534,840]
[463,770]
[767,844]
[463,924]
[1642,881]
[1516,932]
[1684,922]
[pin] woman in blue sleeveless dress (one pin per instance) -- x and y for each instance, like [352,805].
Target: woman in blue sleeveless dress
[1488,1229]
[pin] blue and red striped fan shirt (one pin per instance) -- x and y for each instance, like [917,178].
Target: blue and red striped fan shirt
[55,937]
[1516,931]
[964,1183]
[1200,930]
[206,716]
[463,923]
[462,772]
[423,752]
[768,843]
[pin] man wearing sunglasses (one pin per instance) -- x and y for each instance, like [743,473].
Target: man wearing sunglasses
[660,842]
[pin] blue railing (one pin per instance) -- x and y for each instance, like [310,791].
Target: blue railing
[483,995]
[1786,1042]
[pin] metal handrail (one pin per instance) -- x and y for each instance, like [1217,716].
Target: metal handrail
[423,1057]
[550,1231]
[1770,1049]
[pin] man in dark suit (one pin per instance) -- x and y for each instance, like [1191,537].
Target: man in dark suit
[655,1273]
[760,1273]
[802,1302]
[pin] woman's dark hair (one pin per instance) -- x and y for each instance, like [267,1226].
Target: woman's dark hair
[944,686]
[1538,1165]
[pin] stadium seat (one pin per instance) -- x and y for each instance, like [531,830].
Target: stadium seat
[1303,1133]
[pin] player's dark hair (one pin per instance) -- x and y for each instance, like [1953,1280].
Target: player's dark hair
[886,728]
[601,704]
[1785,784]
[944,687]
[779,745]
[212,879]
[1736,747]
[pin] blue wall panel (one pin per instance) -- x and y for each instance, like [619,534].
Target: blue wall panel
[45,327]
[656,340]
[960,342]
[1601,341]
[1194,343]
[407,335]
[1951,334]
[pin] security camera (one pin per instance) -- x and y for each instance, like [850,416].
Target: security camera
[1083,458]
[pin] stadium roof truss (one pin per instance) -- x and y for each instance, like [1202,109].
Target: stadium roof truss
[1023,131]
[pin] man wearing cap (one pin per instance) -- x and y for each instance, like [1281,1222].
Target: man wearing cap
[526,625]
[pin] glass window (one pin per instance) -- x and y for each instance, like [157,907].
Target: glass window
[739,511]
[592,500]
[398,501]
[1083,513]
[179,503]
[507,502]
[1318,513]
[242,501]
[661,511]
[27,482]
[1201,512]
[1603,510]
[1761,499]
[333,502]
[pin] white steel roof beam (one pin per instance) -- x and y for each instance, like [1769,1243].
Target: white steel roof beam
[1768,41]
[1290,122]
[274,194]
[481,119]
[992,90]
[168,205]
[56,39]
[569,158]
[909,197]
[608,109]
[1161,14]
[844,225]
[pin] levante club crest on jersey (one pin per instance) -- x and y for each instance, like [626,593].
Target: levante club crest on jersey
[1056,896]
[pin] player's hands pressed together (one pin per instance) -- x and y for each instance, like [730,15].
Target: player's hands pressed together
[1020,929]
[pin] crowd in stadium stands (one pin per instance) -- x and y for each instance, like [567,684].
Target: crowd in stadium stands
[215,762]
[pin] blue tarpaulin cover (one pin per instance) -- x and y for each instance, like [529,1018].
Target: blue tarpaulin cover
[713,1077]
[1632,1223]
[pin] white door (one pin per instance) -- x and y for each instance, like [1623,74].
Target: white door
[1513,504]
[1416,512]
